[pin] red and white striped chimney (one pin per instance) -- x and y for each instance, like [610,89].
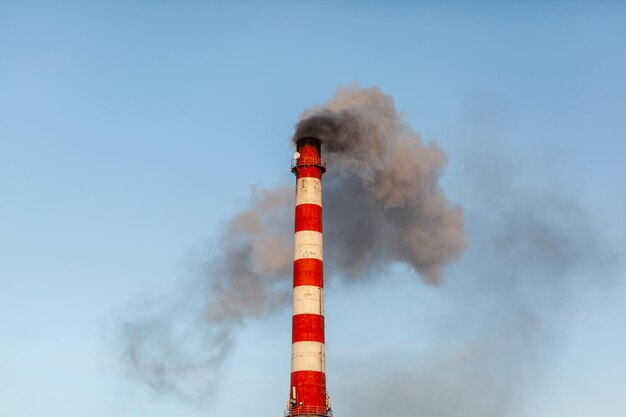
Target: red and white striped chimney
[308,376]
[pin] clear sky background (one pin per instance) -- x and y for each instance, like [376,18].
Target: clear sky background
[131,130]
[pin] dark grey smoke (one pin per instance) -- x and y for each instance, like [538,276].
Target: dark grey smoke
[384,174]
[383,205]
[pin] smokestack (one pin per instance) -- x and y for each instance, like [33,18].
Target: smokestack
[308,375]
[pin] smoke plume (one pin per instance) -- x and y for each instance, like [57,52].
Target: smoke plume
[531,251]
[384,196]
[384,205]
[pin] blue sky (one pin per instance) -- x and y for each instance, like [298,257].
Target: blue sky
[130,131]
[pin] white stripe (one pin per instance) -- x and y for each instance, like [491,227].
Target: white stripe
[308,299]
[307,356]
[308,244]
[309,191]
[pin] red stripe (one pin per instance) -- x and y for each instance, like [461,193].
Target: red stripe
[309,149]
[309,171]
[307,328]
[308,271]
[310,387]
[308,217]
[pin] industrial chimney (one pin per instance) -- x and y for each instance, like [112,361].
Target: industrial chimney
[307,396]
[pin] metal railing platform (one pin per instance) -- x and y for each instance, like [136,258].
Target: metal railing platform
[302,162]
[309,410]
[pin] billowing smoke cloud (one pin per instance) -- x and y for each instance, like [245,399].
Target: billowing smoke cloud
[383,204]
[386,176]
